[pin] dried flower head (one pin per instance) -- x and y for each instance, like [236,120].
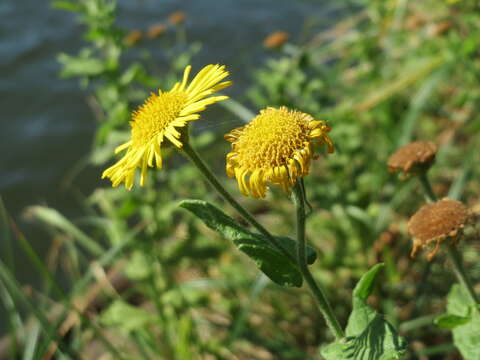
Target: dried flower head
[437,222]
[160,117]
[133,37]
[156,31]
[412,158]
[177,17]
[439,28]
[276,147]
[275,39]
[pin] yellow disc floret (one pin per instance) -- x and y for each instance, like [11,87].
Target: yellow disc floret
[276,147]
[160,117]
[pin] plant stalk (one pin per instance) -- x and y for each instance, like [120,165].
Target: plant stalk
[456,259]
[427,188]
[316,290]
[212,179]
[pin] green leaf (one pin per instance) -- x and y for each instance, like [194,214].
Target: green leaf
[138,267]
[334,351]
[125,317]
[450,321]
[291,246]
[458,301]
[212,216]
[270,260]
[466,336]
[54,219]
[369,335]
[364,287]
[66,5]
[378,341]
[81,65]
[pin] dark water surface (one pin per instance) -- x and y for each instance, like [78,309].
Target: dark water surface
[46,124]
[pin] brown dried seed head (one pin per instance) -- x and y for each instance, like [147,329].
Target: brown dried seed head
[439,28]
[133,37]
[177,17]
[156,30]
[437,222]
[414,157]
[275,39]
[414,21]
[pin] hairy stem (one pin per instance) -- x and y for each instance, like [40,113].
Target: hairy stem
[456,259]
[316,290]
[427,188]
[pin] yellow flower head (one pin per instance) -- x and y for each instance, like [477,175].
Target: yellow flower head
[276,147]
[160,116]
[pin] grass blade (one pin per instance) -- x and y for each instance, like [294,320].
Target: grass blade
[53,218]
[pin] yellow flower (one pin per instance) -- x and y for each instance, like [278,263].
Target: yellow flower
[160,116]
[276,147]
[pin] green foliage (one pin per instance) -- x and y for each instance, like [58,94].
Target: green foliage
[387,73]
[449,321]
[125,317]
[269,260]
[463,317]
[54,219]
[369,335]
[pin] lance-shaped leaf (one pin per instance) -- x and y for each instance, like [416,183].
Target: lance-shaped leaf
[278,267]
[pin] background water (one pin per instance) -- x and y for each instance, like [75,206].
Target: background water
[46,125]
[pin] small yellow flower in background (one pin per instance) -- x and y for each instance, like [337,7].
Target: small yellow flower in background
[276,147]
[160,116]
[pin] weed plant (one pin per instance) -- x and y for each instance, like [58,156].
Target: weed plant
[147,279]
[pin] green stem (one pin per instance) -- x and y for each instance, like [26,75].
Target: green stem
[456,260]
[427,188]
[212,179]
[419,322]
[452,252]
[317,292]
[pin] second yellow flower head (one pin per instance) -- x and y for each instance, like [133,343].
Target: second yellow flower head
[276,147]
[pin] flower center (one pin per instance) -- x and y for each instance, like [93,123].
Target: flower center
[272,138]
[155,115]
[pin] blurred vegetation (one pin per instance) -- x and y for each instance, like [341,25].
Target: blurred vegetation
[145,280]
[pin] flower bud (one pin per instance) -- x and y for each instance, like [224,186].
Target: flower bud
[415,157]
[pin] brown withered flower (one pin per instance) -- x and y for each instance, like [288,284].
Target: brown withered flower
[156,30]
[177,18]
[413,158]
[441,221]
[133,37]
[275,39]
